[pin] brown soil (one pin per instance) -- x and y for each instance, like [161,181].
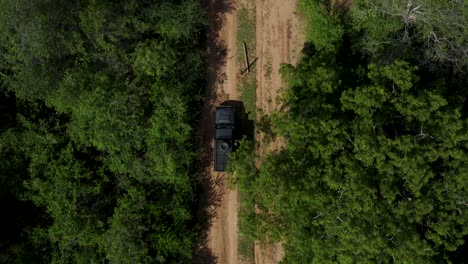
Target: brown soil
[278,41]
[220,245]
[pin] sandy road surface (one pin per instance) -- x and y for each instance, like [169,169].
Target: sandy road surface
[222,203]
[278,41]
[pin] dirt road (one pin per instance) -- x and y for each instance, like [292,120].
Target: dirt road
[278,41]
[222,204]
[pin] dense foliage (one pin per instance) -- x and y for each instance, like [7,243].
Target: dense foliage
[96,141]
[376,122]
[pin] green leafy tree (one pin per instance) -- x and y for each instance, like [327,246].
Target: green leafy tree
[106,96]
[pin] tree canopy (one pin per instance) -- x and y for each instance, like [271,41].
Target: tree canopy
[100,99]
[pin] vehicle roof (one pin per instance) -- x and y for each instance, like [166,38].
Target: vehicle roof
[224,133]
[224,115]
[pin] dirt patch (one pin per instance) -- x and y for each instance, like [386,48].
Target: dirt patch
[278,40]
[220,242]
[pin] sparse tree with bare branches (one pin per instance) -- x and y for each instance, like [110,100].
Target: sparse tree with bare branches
[438,28]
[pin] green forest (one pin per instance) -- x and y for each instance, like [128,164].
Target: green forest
[98,104]
[100,101]
[375,118]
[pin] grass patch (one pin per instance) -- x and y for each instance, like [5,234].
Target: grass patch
[246,34]
[247,86]
[246,23]
[246,246]
[246,28]
[246,249]
[268,67]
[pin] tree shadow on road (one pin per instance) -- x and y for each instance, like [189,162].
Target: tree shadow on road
[208,194]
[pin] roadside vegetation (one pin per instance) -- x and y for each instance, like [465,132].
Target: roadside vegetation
[375,169]
[246,34]
[97,104]
[247,86]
